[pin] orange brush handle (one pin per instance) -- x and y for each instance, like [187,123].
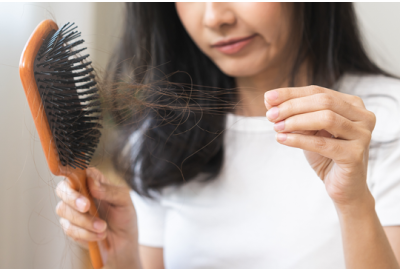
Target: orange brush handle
[77,180]
[77,176]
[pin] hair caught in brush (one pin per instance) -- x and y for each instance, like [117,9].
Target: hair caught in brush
[170,100]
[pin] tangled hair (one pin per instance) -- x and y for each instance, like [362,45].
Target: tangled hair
[170,100]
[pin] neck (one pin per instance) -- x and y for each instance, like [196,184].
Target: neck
[251,90]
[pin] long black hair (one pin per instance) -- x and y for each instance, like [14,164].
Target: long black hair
[171,130]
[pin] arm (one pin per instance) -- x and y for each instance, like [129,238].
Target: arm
[151,257]
[334,130]
[365,243]
[393,235]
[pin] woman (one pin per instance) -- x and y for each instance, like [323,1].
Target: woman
[222,192]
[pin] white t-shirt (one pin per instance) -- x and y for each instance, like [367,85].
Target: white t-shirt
[268,208]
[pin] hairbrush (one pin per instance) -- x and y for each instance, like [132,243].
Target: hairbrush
[61,90]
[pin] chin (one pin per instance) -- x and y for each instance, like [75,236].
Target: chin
[238,71]
[245,67]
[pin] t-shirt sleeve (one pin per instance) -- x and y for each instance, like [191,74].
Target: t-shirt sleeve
[381,95]
[385,183]
[385,152]
[151,219]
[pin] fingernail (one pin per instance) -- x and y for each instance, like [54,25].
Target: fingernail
[271,95]
[81,204]
[279,126]
[273,113]
[64,223]
[99,225]
[281,137]
[265,103]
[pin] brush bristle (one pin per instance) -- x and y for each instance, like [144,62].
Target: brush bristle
[69,95]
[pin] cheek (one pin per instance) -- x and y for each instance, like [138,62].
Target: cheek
[271,22]
[266,19]
[190,14]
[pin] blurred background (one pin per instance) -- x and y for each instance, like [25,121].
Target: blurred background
[30,234]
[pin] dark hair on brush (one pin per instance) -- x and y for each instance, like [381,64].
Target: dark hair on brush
[170,100]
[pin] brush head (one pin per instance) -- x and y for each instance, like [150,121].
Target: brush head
[67,87]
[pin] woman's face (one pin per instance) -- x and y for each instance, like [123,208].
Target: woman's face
[242,39]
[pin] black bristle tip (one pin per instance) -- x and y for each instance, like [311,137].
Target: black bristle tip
[69,95]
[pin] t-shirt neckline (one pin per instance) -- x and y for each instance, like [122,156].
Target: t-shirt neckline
[248,124]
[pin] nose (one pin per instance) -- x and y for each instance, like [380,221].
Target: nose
[217,15]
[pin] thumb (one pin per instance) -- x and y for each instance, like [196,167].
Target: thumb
[102,189]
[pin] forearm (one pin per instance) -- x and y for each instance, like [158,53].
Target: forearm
[364,241]
[125,256]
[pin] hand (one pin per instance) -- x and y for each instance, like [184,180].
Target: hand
[333,129]
[117,223]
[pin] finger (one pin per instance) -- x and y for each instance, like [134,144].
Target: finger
[306,132]
[80,234]
[101,188]
[84,221]
[277,96]
[81,243]
[332,122]
[317,102]
[338,150]
[71,197]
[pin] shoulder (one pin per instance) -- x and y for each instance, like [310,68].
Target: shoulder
[381,95]
[362,85]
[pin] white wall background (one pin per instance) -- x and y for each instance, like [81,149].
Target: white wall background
[30,235]
[380,25]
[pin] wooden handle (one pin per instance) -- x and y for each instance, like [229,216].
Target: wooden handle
[77,180]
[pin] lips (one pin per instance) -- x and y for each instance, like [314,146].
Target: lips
[234,45]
